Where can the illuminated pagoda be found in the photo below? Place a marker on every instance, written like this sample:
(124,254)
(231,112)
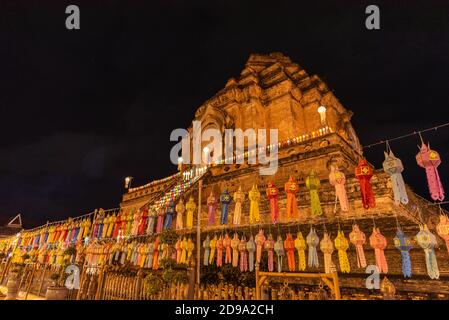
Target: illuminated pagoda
(316,229)
(315,133)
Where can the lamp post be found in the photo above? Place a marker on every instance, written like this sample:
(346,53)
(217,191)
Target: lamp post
(198,234)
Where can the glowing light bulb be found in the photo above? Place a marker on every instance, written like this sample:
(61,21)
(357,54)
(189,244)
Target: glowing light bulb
(322,111)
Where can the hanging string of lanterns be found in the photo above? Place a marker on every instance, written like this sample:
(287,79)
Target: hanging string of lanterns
(48,242)
(238,252)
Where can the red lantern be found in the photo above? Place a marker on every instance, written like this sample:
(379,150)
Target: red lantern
(289,245)
(272,195)
(291,188)
(364,172)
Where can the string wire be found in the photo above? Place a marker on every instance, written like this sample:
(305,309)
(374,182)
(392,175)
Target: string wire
(406,136)
(437,204)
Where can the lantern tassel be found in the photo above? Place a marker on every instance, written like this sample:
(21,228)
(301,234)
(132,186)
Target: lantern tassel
(399,190)
(342,197)
(338,179)
(313,257)
(313,184)
(435,186)
(381,261)
(361,260)
(280,252)
(428,242)
(312,240)
(430,160)
(406,264)
(431,264)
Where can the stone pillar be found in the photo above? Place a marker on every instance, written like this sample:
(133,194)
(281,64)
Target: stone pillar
(191,276)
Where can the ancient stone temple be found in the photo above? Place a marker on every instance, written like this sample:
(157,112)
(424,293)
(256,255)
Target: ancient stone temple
(342,229)
(315,134)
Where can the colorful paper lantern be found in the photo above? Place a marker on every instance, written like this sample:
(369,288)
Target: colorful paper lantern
(313,241)
(291,188)
(300,245)
(272,196)
(254,197)
(260,240)
(430,160)
(358,239)
(403,244)
(289,245)
(169,213)
(243,254)
(180,209)
(364,173)
(327,247)
(342,245)
(206,247)
(338,180)
(313,184)
(227,248)
(269,247)
(378,242)
(428,242)
(251,248)
(219,247)
(280,252)
(190,208)
(213,246)
(235,250)
(239,197)
(225,200)
(393,167)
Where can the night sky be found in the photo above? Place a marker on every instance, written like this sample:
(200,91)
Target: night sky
(82,109)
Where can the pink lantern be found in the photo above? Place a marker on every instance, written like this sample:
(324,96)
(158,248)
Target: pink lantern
(430,160)
(338,180)
(358,239)
(378,242)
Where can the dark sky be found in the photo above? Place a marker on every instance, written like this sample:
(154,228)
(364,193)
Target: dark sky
(83,109)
